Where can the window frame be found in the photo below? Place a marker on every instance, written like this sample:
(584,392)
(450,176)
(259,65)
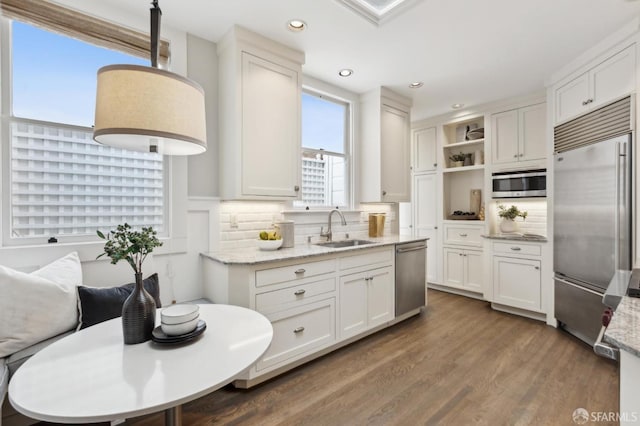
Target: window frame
(333,94)
(174,173)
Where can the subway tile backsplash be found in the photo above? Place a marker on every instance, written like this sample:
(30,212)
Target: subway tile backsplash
(241,221)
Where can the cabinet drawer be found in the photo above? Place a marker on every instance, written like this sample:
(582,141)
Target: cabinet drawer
(294,272)
(298,331)
(463,235)
(293,296)
(516,248)
(368,257)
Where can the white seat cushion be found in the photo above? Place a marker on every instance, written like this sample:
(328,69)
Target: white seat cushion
(39,305)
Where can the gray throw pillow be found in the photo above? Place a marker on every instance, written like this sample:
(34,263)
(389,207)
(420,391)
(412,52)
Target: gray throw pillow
(98,304)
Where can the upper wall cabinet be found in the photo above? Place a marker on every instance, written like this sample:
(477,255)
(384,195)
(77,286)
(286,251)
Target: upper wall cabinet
(606,81)
(260,89)
(518,135)
(385,147)
(424,150)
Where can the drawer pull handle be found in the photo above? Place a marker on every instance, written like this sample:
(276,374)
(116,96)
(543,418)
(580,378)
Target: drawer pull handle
(463,235)
(300,271)
(300,292)
(516,248)
(298,330)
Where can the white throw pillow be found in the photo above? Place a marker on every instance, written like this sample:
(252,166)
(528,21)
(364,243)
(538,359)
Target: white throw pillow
(39,305)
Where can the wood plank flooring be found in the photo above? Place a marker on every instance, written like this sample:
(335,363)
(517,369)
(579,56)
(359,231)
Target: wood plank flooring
(458,363)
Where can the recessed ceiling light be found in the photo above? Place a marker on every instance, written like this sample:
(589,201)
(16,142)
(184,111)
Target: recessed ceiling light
(296,25)
(416,84)
(457,106)
(345,72)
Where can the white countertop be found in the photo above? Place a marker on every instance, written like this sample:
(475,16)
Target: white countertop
(254,255)
(624,329)
(92,376)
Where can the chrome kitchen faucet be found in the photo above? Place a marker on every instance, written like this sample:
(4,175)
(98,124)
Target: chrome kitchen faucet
(329,234)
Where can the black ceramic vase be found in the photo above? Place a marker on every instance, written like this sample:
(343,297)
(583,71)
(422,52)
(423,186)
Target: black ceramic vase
(138,315)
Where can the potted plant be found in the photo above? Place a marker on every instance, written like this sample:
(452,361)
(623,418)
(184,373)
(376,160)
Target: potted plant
(139,310)
(458,159)
(508,216)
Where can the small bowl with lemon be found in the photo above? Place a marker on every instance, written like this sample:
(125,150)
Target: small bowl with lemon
(269,240)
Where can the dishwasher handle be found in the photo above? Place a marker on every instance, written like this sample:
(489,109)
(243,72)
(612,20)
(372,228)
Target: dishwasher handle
(401,250)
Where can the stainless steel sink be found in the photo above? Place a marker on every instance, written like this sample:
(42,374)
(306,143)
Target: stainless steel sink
(344,243)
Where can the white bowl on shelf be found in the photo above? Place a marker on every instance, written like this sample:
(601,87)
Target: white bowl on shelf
(269,244)
(180,313)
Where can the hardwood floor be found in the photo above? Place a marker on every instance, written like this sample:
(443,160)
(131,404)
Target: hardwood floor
(458,363)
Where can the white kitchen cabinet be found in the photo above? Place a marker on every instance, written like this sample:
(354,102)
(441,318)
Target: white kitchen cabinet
(425,197)
(424,150)
(314,303)
(385,155)
(463,269)
(366,300)
(260,89)
(519,135)
(517,282)
(612,78)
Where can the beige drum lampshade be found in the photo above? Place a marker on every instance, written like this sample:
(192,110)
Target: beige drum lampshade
(151,110)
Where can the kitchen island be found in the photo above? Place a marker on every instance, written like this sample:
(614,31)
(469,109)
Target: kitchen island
(624,333)
(317,298)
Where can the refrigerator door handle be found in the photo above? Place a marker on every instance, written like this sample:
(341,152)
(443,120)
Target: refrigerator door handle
(616,222)
(588,290)
(622,206)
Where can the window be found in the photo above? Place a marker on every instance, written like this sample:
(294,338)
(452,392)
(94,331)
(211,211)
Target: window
(325,154)
(62,183)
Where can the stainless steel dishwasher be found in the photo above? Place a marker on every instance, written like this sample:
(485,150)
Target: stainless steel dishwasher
(411,274)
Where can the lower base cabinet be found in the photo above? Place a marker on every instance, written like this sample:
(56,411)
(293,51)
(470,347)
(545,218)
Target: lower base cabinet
(367,300)
(517,282)
(463,269)
(299,330)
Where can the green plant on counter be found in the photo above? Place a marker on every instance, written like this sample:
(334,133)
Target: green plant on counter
(511,213)
(458,157)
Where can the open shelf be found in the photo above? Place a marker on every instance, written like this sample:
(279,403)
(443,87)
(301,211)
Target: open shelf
(464,143)
(462,169)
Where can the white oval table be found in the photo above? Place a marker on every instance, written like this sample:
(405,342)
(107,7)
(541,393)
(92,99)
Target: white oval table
(92,376)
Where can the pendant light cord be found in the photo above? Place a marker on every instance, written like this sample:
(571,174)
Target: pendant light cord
(156,14)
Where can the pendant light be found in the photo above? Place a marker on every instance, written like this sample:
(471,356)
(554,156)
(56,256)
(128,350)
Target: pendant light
(149,109)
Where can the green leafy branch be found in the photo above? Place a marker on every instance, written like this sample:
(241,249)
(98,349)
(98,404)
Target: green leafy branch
(511,213)
(132,246)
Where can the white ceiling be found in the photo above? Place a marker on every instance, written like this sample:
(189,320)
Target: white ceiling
(465,51)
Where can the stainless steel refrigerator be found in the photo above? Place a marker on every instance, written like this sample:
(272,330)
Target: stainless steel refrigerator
(592,229)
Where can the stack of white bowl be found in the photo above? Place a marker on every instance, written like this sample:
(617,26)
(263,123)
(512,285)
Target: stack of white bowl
(179,319)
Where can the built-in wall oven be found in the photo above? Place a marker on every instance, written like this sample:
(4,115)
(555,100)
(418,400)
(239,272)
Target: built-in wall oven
(520,184)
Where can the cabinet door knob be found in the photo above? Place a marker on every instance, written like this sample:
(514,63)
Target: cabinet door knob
(585,102)
(435,164)
(521,155)
(536,267)
(298,330)
(516,248)
(300,292)
(384,193)
(300,271)
(515,155)
(296,188)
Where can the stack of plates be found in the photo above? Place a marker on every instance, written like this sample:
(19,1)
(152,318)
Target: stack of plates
(179,323)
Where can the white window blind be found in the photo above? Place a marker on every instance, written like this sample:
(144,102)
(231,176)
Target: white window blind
(64,183)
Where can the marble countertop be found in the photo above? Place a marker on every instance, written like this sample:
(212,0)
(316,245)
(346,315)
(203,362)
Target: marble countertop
(624,329)
(517,237)
(253,255)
